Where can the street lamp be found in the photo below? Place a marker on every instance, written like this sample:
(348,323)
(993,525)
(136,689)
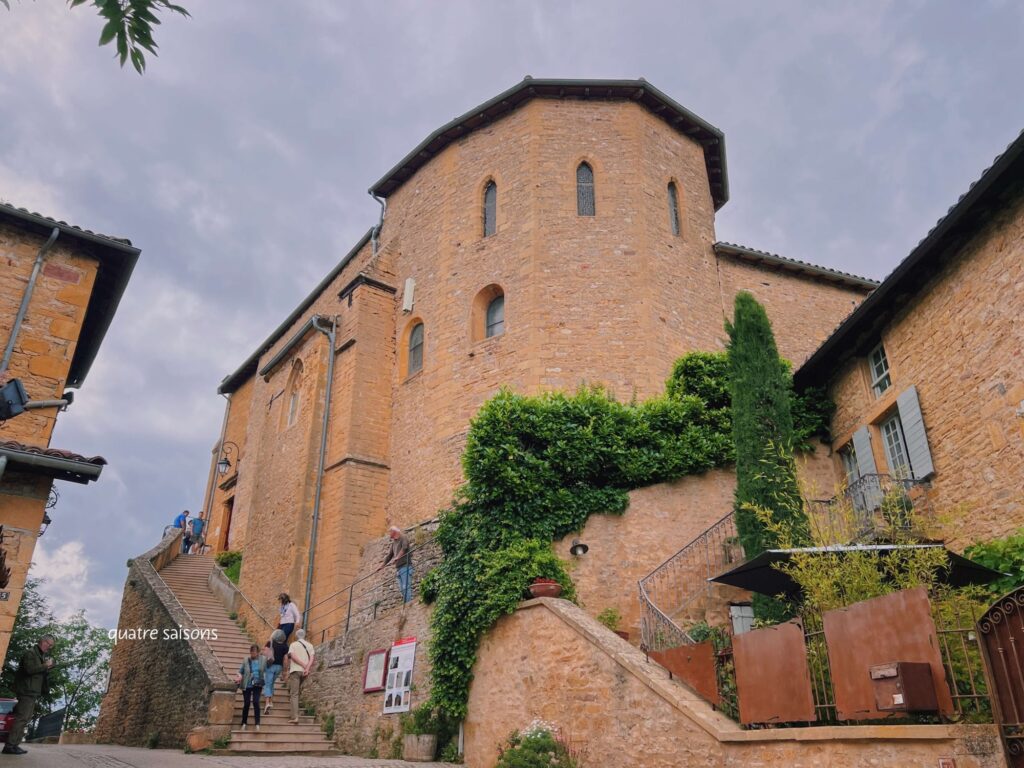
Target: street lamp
(224,464)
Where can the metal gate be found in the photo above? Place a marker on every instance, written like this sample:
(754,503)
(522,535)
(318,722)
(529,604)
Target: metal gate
(1002,634)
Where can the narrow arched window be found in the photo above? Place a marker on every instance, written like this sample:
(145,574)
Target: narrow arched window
(496,316)
(490,208)
(673,207)
(415,349)
(585,190)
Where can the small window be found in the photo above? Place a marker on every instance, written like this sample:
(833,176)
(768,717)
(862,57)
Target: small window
(742,618)
(415,349)
(294,394)
(496,317)
(848,454)
(880,380)
(490,208)
(673,208)
(896,448)
(585,190)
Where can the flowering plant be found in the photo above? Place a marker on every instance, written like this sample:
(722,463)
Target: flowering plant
(539,745)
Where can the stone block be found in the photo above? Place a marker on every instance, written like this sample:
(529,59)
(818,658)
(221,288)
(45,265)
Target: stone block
(45,365)
(63,328)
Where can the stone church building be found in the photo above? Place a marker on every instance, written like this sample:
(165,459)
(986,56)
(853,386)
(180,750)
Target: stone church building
(563,234)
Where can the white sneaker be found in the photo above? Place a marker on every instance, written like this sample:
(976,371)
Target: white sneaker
(244,726)
(257,727)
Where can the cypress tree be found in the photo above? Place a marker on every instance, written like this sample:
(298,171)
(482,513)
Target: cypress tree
(760,387)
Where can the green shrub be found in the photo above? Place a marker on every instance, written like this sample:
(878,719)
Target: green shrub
(1003,555)
(231,562)
(536,747)
(153,740)
(611,618)
(328,725)
(536,469)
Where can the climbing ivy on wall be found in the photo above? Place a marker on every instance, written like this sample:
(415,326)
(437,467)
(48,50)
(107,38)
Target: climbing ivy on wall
(536,468)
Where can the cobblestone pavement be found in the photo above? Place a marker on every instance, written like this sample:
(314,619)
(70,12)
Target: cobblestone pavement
(105,756)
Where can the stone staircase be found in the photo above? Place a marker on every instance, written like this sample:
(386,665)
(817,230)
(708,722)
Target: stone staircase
(187,576)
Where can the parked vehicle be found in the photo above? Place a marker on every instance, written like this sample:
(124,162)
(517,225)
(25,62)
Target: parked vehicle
(6,718)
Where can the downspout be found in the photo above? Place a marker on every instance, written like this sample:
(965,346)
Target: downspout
(375,237)
(331,338)
(208,512)
(23,309)
(3,466)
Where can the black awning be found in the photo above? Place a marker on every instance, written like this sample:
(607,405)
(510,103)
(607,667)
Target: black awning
(760,574)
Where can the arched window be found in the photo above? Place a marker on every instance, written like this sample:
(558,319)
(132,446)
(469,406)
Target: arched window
(487,314)
(415,349)
(496,316)
(585,190)
(673,207)
(490,208)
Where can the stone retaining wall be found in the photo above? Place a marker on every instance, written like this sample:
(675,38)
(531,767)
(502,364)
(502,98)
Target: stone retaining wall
(165,687)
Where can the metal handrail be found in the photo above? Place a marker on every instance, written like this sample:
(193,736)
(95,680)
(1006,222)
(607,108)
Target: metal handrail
(348,604)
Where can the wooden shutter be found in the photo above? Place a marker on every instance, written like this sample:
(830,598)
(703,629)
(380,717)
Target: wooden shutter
(913,430)
(867,495)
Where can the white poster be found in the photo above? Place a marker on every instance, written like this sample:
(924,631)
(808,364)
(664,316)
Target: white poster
(398,687)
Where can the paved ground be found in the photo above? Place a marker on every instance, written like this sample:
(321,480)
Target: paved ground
(103,756)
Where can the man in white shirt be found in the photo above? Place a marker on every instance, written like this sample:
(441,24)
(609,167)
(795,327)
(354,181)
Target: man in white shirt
(300,662)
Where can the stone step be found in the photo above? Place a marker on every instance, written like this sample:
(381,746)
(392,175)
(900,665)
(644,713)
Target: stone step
(324,749)
(251,736)
(283,729)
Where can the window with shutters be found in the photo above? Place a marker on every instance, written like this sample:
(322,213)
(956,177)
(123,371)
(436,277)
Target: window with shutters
(673,208)
(490,208)
(880,379)
(585,190)
(896,448)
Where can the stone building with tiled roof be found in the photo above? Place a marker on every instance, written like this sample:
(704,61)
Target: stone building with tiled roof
(59,290)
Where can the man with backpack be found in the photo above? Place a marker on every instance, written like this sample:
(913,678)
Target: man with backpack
(30,683)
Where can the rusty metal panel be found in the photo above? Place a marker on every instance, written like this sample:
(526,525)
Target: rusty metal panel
(694,665)
(773,681)
(891,628)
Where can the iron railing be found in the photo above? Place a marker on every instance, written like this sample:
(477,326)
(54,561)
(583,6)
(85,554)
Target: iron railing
(673,588)
(872,508)
(361,599)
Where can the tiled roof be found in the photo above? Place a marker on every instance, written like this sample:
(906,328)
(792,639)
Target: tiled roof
(53,453)
(25,213)
(793,265)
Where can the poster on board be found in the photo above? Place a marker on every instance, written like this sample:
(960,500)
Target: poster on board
(398,685)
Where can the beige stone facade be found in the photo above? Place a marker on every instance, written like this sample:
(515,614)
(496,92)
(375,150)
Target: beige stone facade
(69,309)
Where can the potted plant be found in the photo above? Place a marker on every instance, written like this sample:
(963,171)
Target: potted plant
(419,734)
(544,587)
(611,618)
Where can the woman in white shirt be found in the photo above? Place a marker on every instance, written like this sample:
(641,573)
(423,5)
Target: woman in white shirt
(289,615)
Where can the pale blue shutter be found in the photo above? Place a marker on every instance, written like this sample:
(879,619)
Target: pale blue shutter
(913,430)
(868,493)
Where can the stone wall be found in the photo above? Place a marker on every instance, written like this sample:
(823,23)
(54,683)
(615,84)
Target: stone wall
(551,661)
(41,359)
(959,341)
(336,687)
(162,686)
(612,299)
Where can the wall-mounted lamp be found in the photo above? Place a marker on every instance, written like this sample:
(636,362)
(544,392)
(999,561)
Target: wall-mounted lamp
(578,548)
(224,464)
(46,524)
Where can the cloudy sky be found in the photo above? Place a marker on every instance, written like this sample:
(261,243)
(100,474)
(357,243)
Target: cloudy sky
(239,164)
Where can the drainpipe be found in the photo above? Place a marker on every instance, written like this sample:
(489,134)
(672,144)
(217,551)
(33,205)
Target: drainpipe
(375,237)
(208,512)
(330,332)
(23,309)
(3,466)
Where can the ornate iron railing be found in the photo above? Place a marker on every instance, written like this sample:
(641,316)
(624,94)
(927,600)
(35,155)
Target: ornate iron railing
(671,589)
(871,509)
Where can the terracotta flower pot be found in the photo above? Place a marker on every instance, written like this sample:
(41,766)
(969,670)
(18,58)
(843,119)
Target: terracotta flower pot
(545,589)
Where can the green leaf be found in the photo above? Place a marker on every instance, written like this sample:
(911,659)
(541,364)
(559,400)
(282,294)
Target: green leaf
(110,30)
